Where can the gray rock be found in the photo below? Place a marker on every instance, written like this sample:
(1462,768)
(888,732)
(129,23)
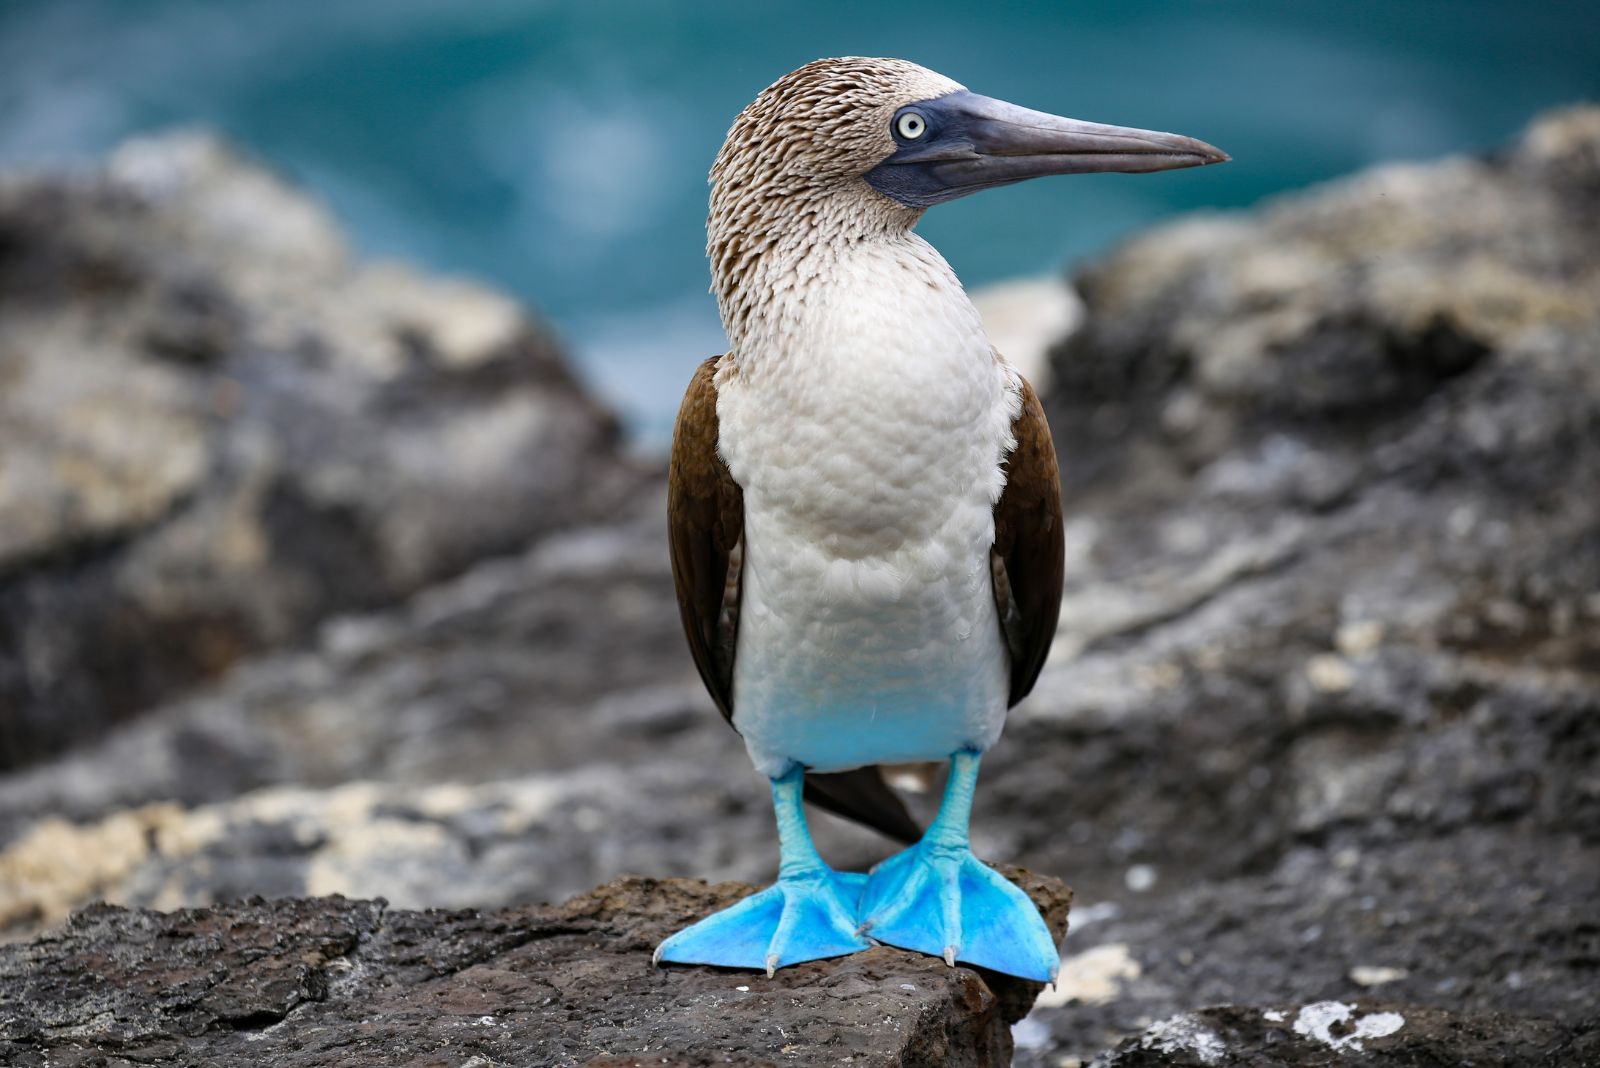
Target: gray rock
(1335,1033)
(518,665)
(1336,320)
(1327,697)
(1320,725)
(216,428)
(328,981)
(482,744)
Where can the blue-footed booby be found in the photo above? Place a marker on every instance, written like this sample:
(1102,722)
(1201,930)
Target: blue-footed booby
(864,505)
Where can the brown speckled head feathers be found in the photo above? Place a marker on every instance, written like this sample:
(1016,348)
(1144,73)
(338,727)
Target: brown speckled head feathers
(790,172)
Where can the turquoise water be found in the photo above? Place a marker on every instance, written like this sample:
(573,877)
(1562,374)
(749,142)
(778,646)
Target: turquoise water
(560,150)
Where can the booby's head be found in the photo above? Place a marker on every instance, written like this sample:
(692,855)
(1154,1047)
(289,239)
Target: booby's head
(846,148)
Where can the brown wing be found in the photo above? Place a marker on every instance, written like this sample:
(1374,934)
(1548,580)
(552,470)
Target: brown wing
(1028,546)
(705,523)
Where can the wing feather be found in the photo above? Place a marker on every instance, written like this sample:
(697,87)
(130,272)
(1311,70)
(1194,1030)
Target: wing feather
(705,524)
(1029,550)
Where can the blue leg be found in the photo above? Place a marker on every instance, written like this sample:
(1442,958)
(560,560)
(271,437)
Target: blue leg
(937,898)
(810,913)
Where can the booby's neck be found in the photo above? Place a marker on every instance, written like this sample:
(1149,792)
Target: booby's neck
(768,247)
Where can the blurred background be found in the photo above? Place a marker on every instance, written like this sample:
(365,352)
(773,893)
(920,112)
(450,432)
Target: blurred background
(560,150)
(339,344)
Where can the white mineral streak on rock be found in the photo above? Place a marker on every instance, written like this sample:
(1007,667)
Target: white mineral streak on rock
(1140,878)
(1098,912)
(1184,1034)
(1093,977)
(1360,638)
(1330,673)
(1318,1020)
(1031,1033)
(1376,975)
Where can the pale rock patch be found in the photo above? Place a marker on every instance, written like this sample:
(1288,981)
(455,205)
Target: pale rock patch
(1093,977)
(1317,1021)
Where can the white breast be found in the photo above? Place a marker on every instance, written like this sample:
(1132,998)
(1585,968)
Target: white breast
(866,417)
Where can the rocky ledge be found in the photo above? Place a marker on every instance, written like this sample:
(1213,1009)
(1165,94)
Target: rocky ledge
(1316,743)
(1327,1034)
(217,426)
(325,982)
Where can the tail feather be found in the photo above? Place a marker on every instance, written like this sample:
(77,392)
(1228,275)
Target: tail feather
(863,796)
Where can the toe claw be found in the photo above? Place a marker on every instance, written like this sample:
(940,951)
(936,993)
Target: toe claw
(957,908)
(798,919)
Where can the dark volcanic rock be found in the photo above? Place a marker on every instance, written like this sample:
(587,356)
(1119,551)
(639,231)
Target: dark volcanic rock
(1326,1034)
(217,428)
(1323,715)
(523,732)
(516,666)
(1321,723)
(1398,322)
(328,981)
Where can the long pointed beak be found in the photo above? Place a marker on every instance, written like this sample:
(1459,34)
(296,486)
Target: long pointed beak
(979,143)
(1014,143)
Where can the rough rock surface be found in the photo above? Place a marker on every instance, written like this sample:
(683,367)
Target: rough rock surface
(516,666)
(502,753)
(481,744)
(329,981)
(1321,726)
(217,427)
(1333,1033)
(1325,720)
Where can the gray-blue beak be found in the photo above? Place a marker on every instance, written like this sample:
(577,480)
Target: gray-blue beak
(958,144)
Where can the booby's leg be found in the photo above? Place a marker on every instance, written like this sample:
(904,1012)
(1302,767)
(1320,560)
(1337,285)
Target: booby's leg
(810,913)
(937,898)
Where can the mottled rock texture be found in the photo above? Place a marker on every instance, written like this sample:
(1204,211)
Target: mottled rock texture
(331,982)
(217,427)
(1327,1034)
(1321,726)
(484,744)
(1326,714)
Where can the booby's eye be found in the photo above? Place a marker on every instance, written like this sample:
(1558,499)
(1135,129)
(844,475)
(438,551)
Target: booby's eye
(910,125)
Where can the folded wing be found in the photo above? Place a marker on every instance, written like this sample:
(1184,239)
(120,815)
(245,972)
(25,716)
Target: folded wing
(1026,562)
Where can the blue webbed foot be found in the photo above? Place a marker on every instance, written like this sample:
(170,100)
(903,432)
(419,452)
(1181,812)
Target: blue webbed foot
(937,898)
(948,903)
(808,916)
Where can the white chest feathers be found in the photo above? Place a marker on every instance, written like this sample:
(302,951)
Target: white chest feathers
(866,416)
